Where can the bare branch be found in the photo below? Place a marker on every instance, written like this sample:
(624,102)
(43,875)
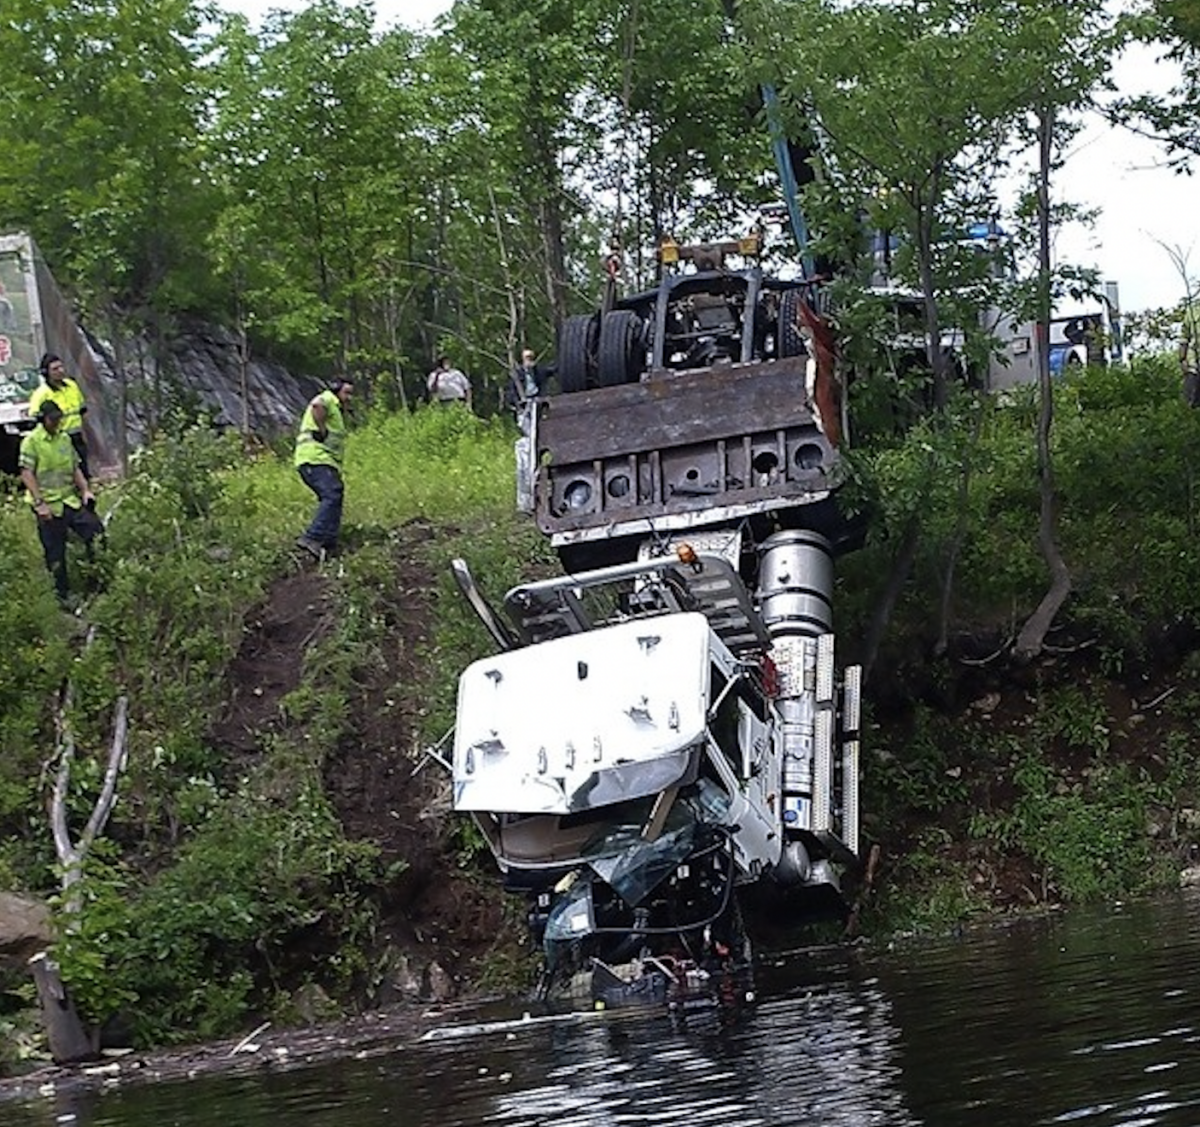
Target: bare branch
(65,754)
(981,661)
(108,792)
(71,854)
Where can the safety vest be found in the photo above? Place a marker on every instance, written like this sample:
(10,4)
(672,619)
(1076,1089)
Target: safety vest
(68,397)
(311,452)
(53,460)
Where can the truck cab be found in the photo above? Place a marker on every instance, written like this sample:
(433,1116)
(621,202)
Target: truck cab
(649,743)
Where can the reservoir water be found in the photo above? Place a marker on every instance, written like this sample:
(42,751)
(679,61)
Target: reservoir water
(1088,1017)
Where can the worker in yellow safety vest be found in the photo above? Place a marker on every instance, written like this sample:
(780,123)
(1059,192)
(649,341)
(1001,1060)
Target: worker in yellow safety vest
(57,491)
(64,391)
(320,445)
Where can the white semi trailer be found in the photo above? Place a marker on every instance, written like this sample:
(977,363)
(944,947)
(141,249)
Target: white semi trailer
(22,342)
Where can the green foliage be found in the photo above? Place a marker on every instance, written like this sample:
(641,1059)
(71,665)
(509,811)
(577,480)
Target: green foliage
(94,939)
(926,892)
(1126,472)
(203,943)
(20,1041)
(32,664)
(252,874)
(1087,834)
(918,769)
(1075,717)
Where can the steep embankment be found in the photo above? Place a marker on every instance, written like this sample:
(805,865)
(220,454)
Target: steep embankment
(438,923)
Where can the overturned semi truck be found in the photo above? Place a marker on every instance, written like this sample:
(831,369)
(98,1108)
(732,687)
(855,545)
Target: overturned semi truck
(664,727)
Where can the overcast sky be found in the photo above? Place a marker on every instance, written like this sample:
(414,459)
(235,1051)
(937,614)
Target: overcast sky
(1142,206)
(388,13)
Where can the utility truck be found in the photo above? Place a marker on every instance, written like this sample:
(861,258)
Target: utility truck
(664,728)
(22,341)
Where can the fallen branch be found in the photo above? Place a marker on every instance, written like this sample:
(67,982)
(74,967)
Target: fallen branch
(71,855)
(978,661)
(1157,700)
(245,1044)
(1087,645)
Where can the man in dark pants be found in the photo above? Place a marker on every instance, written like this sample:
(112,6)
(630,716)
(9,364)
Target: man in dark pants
(57,491)
(320,446)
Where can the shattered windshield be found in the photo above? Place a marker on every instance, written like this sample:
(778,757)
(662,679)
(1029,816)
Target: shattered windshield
(633,867)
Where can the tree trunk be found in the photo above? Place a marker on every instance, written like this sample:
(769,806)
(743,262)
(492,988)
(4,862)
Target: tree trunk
(114,329)
(1032,637)
(902,564)
(69,1040)
(511,293)
(959,537)
(939,362)
(243,355)
(549,195)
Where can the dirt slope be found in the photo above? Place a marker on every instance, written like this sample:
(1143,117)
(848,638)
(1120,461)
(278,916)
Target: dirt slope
(378,781)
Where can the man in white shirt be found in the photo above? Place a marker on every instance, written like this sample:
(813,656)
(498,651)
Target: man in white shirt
(448,385)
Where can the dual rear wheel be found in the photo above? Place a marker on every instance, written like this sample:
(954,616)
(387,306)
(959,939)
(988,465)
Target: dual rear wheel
(601,350)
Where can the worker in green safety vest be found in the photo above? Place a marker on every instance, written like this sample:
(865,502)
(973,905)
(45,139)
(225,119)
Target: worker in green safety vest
(59,387)
(57,491)
(320,445)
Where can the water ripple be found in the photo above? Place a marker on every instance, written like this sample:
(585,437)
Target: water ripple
(1087,1018)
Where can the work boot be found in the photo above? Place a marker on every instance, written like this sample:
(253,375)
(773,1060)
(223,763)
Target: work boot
(312,548)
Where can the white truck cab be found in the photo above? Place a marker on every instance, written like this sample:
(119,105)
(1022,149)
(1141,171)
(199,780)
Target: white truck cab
(654,738)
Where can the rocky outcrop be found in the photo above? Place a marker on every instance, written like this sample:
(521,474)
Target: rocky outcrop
(205,362)
(201,376)
(24,927)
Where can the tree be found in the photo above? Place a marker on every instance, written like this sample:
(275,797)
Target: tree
(916,109)
(911,105)
(1059,83)
(1173,118)
(101,116)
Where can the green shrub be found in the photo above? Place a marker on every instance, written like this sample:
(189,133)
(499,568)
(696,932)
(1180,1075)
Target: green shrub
(202,947)
(1088,835)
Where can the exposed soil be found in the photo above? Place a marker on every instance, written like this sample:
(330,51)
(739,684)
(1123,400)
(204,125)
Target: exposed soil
(437,917)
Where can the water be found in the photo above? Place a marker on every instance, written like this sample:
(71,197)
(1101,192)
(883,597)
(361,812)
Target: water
(1089,1018)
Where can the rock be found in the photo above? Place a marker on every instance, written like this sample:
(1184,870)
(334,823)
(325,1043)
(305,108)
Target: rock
(441,985)
(24,927)
(201,371)
(313,1005)
(400,981)
(987,703)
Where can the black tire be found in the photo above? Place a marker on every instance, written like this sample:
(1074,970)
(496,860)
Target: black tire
(622,354)
(789,340)
(577,353)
